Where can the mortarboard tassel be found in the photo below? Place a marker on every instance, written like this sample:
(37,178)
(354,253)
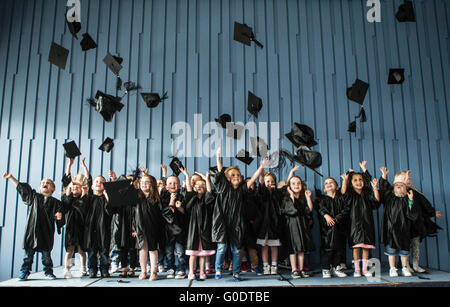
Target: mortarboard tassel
(119,84)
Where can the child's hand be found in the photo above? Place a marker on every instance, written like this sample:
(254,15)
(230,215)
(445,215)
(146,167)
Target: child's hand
(410,194)
(295,168)
(207,175)
(363,165)
(58,216)
(330,220)
(84,190)
(439,214)
(7,175)
(83,163)
(291,193)
(308,194)
(184,171)
(173,197)
(344,176)
(112,175)
(374,183)
(384,172)
(144,170)
(351,170)
(178,204)
(134,234)
(265,162)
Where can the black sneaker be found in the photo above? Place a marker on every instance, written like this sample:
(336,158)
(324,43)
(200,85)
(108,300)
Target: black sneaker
(105,274)
(93,274)
(296,275)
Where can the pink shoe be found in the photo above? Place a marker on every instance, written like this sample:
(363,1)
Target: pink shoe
(208,271)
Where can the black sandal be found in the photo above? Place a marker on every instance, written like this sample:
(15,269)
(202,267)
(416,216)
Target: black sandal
(303,274)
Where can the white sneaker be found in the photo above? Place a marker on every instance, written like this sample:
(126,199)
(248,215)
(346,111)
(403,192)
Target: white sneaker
(114,268)
(393,272)
(326,274)
(338,273)
(273,270)
(357,274)
(67,273)
(266,270)
(406,272)
(83,271)
(161,268)
(170,273)
(180,275)
(342,266)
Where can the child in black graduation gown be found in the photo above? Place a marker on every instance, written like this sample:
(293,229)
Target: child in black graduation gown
(297,209)
(199,206)
(40,230)
(228,217)
(361,201)
(97,234)
(332,214)
(252,221)
(398,216)
(148,225)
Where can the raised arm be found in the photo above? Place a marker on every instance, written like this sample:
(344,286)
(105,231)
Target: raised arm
(69,166)
(219,160)
(187,179)
(363,166)
(376,193)
(11,177)
(83,165)
(255,176)
(164,170)
(344,183)
(207,179)
(309,200)
(112,175)
(292,172)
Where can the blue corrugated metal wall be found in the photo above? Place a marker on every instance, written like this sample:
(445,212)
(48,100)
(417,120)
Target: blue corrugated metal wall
(313,50)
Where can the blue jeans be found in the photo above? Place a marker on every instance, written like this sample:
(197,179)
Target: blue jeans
(220,257)
(93,261)
(178,249)
(28,261)
(395,252)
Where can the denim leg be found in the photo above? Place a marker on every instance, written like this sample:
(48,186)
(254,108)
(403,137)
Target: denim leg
(169,256)
(104,259)
(28,260)
(92,259)
(47,262)
(236,259)
(220,256)
(179,252)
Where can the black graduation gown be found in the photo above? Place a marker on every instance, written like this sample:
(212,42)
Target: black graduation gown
(98,223)
(269,209)
(297,231)
(252,219)
(362,228)
(199,212)
(332,237)
(75,210)
(40,229)
(121,224)
(228,215)
(397,218)
(149,223)
(423,226)
(177,229)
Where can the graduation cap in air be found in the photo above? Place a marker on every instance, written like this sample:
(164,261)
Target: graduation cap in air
(176,166)
(87,43)
(254,104)
(358,91)
(301,135)
(130,86)
(223,120)
(153,99)
(259,147)
(71,150)
(58,55)
(405,12)
(352,127)
(396,76)
(113,63)
(244,34)
(106,105)
(303,155)
(74,27)
(107,145)
(244,156)
(121,193)
(235,131)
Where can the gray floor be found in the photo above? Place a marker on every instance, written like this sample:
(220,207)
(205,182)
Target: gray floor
(250,280)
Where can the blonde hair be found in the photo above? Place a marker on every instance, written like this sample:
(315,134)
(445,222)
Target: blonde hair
(51,182)
(80,179)
(403,173)
(231,168)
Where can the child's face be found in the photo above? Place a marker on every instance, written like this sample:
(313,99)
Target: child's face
(270,183)
(329,186)
(47,187)
(97,185)
(76,189)
(145,184)
(296,185)
(160,183)
(234,176)
(172,184)
(200,187)
(358,182)
(194,178)
(400,189)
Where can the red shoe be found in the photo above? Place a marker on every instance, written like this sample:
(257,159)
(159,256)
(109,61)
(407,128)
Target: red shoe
(306,269)
(244,266)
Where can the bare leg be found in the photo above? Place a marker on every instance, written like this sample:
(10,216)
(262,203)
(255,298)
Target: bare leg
(82,257)
(265,254)
(391,261)
(68,259)
(365,253)
(404,261)
(293,261)
(143,256)
(153,264)
(192,265)
(301,260)
(201,263)
(274,252)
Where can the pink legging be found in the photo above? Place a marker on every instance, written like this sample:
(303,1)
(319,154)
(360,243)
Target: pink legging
(143,256)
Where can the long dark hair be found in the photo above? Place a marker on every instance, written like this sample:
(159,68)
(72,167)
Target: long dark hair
(154,194)
(302,192)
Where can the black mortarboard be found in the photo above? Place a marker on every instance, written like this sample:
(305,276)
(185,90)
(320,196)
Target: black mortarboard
(301,135)
(58,55)
(121,193)
(254,104)
(244,34)
(352,127)
(71,149)
(308,158)
(106,105)
(235,131)
(223,120)
(130,86)
(153,99)
(259,147)
(176,165)
(107,145)
(396,76)
(358,91)
(74,27)
(405,12)
(244,156)
(113,63)
(87,43)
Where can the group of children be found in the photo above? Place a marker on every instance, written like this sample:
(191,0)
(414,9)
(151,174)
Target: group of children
(200,219)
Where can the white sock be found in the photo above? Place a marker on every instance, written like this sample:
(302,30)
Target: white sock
(266,263)
(274,263)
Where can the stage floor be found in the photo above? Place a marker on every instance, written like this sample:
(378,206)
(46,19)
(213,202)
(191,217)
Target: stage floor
(283,279)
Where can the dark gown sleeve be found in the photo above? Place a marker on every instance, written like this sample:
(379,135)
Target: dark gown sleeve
(321,208)
(66,180)
(413,213)
(367,178)
(288,207)
(26,193)
(220,182)
(385,190)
